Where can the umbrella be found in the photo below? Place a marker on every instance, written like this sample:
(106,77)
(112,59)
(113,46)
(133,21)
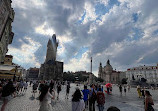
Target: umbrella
(108,85)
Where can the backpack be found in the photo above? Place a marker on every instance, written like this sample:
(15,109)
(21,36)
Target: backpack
(94,96)
(100,98)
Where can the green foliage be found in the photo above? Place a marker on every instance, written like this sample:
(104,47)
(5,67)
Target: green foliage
(100,80)
(71,77)
(124,81)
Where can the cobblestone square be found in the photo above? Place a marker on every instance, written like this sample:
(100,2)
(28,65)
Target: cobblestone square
(130,101)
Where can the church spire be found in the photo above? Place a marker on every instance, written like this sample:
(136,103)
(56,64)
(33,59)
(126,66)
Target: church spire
(51,49)
(100,64)
(108,62)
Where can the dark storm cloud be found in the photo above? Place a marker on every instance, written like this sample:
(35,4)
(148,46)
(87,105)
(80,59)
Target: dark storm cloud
(60,14)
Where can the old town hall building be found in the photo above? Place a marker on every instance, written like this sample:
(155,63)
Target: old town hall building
(51,69)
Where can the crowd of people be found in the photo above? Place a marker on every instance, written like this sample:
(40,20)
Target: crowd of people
(82,99)
(10,89)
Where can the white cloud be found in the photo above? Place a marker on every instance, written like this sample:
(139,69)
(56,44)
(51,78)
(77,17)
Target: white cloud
(90,12)
(25,54)
(78,64)
(23,4)
(44,29)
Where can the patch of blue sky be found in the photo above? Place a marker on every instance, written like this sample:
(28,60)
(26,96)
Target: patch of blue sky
(138,33)
(80,52)
(82,18)
(113,2)
(135,17)
(101,9)
(155,32)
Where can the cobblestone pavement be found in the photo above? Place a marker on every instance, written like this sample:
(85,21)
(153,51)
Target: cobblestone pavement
(128,102)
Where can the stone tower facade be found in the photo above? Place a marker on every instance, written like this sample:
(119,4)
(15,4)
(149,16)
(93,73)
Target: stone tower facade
(6,35)
(51,69)
(51,49)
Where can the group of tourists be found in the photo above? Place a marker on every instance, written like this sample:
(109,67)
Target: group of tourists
(47,93)
(10,89)
(90,97)
(82,99)
(124,88)
(141,92)
(148,101)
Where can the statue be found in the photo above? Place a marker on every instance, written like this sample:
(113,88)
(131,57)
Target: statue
(108,62)
(133,77)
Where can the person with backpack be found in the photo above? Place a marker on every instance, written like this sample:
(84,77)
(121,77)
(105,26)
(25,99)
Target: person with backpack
(92,98)
(85,96)
(34,88)
(100,99)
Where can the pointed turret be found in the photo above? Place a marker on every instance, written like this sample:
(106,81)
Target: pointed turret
(51,50)
(108,62)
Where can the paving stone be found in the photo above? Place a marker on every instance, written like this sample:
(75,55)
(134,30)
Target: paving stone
(128,102)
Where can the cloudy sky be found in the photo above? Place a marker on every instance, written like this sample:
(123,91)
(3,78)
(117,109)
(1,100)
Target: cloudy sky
(124,31)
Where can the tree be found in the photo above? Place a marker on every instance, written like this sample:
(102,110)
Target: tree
(143,80)
(100,80)
(124,81)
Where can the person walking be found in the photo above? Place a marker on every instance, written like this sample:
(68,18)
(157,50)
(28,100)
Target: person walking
(45,98)
(58,89)
(100,99)
(34,87)
(148,101)
(139,91)
(77,102)
(8,89)
(125,90)
(143,92)
(21,85)
(41,86)
(51,86)
(120,88)
(25,86)
(85,96)
(128,88)
(30,83)
(108,90)
(67,90)
(92,98)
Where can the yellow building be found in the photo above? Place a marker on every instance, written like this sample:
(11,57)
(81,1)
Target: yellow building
(9,69)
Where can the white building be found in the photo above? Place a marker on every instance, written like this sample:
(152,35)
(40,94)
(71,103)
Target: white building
(148,72)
